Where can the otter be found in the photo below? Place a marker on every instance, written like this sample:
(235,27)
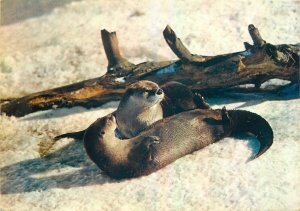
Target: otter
(168,139)
(139,107)
(144,103)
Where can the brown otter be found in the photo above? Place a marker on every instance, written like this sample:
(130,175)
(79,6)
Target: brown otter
(168,139)
(144,103)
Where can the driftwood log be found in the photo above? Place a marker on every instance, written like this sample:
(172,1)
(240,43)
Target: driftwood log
(258,63)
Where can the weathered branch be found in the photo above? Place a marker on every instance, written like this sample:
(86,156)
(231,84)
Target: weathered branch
(178,48)
(255,35)
(260,62)
(247,46)
(111,47)
(6,100)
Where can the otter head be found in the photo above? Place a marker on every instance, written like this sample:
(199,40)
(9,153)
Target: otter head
(139,108)
(107,125)
(143,94)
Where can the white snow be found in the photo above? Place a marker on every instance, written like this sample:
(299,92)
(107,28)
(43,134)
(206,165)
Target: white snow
(121,79)
(64,46)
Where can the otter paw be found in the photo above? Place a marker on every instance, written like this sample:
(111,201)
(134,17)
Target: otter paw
(226,119)
(199,95)
(200,102)
(147,147)
(225,115)
(143,151)
(151,140)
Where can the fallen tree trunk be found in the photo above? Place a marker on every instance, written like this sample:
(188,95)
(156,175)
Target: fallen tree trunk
(258,63)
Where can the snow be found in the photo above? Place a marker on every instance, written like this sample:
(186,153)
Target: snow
(64,46)
(121,79)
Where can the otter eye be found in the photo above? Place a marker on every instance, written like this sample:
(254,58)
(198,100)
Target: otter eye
(151,92)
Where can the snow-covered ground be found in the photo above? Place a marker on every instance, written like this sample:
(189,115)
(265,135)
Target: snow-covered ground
(64,45)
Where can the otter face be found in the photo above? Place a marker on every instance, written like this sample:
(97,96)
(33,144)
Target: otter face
(144,94)
(107,123)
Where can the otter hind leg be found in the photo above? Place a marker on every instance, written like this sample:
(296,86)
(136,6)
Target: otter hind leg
(225,115)
(226,121)
(183,98)
(200,102)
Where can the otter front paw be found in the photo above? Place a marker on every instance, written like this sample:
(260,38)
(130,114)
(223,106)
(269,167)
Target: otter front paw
(144,150)
(151,140)
(148,145)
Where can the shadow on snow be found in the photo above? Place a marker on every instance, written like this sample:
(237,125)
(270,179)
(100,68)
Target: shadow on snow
(24,176)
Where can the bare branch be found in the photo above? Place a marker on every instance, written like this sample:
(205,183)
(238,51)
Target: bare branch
(255,35)
(111,47)
(247,46)
(178,48)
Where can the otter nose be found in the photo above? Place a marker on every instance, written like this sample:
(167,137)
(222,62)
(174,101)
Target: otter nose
(159,91)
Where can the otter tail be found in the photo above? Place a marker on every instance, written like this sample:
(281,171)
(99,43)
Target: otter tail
(245,121)
(75,135)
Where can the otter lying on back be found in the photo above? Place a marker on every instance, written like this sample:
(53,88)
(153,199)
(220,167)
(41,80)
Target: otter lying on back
(168,139)
(144,103)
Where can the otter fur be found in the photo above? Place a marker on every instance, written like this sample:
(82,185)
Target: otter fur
(144,103)
(168,139)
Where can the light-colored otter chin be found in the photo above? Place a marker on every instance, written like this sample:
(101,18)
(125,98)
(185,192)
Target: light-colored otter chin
(111,123)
